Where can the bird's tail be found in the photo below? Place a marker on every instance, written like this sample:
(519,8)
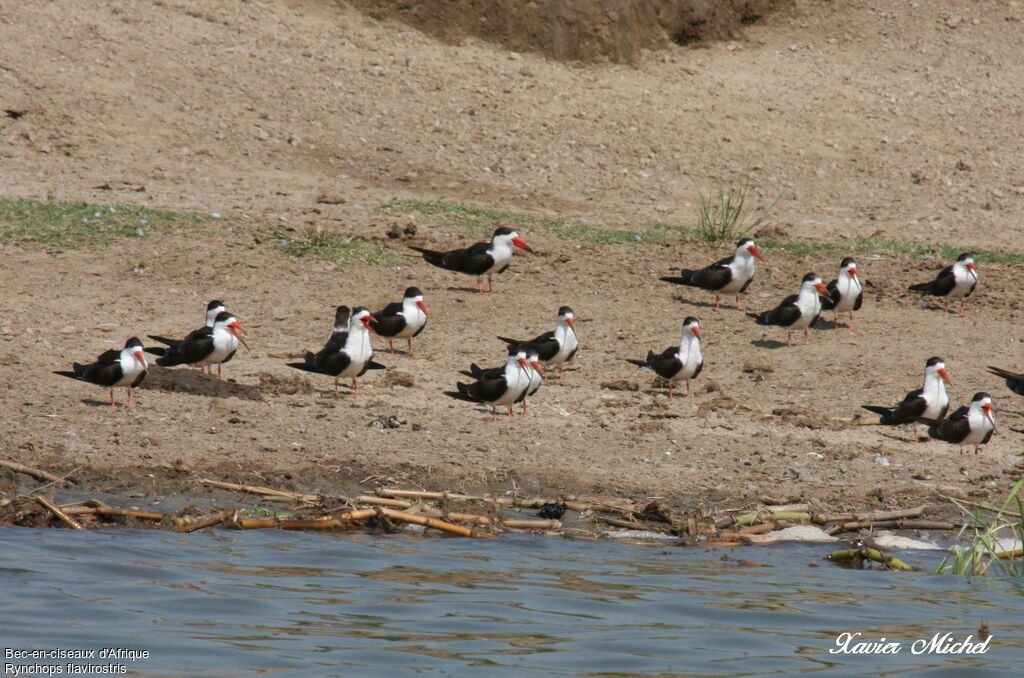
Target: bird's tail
(763,318)
(886,414)
(509,341)
(169,357)
(685,277)
(643,364)
(431,256)
(923,288)
(462,393)
(163,340)
(305,367)
(155,350)
(76,372)
(1014,380)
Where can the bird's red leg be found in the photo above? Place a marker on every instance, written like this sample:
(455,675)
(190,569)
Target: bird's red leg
(688,388)
(490,284)
(391,347)
(738,307)
(480,286)
(409,348)
(807,336)
(335,387)
(355,386)
(850,325)
(718,306)
(961,307)
(670,396)
(561,373)
(789,337)
(129,397)
(510,413)
(524,409)
(835,322)
(494,412)
(945,305)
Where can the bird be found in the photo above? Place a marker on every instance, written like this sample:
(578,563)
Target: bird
(126,367)
(797,311)
(206,346)
(731,275)
(678,363)
(481,259)
(845,293)
(926,405)
(556,348)
(953,282)
(213,308)
(533,368)
(347,353)
(1014,380)
(971,424)
(401,320)
(504,389)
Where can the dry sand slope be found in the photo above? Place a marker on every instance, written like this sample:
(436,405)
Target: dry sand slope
(862,119)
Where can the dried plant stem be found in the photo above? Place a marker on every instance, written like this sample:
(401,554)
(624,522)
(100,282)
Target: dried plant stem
(57,511)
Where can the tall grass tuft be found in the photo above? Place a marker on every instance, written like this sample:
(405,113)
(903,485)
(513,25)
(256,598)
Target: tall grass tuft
(980,548)
(726,216)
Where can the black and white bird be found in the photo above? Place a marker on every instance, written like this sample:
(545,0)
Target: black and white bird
(114,368)
(926,405)
(533,368)
(481,259)
(797,311)
(402,319)
(971,424)
(347,353)
(845,293)
(206,346)
(678,363)
(1014,380)
(503,389)
(731,275)
(556,348)
(213,309)
(953,283)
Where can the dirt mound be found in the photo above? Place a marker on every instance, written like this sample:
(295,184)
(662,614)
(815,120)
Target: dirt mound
(576,30)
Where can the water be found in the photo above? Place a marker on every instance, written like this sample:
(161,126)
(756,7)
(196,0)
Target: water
(297,604)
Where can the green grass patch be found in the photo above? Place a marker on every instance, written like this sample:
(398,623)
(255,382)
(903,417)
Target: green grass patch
(335,247)
(981,551)
(842,247)
(73,225)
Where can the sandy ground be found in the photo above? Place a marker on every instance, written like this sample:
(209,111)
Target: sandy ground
(862,118)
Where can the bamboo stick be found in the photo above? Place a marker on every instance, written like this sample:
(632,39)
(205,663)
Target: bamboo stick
(253,489)
(1010,555)
(857,555)
(383,501)
(422,494)
(869,516)
(269,523)
(38,474)
(208,522)
(417,519)
(56,510)
(525,524)
(752,518)
(904,524)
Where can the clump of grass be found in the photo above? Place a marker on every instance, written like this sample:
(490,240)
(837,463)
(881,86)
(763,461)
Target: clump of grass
(726,216)
(981,548)
(335,247)
(73,225)
(482,221)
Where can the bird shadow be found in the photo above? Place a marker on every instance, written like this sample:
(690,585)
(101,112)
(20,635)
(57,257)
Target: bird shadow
(769,343)
(466,289)
(89,402)
(700,304)
(194,382)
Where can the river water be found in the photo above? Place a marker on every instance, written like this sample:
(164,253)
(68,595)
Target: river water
(231,603)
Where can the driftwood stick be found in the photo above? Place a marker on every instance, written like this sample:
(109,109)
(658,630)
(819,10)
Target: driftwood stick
(993,509)
(759,529)
(110,511)
(421,494)
(383,501)
(38,474)
(253,489)
(627,524)
(457,517)
(903,524)
(56,510)
(435,523)
(869,516)
(208,522)
(751,518)
(526,524)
